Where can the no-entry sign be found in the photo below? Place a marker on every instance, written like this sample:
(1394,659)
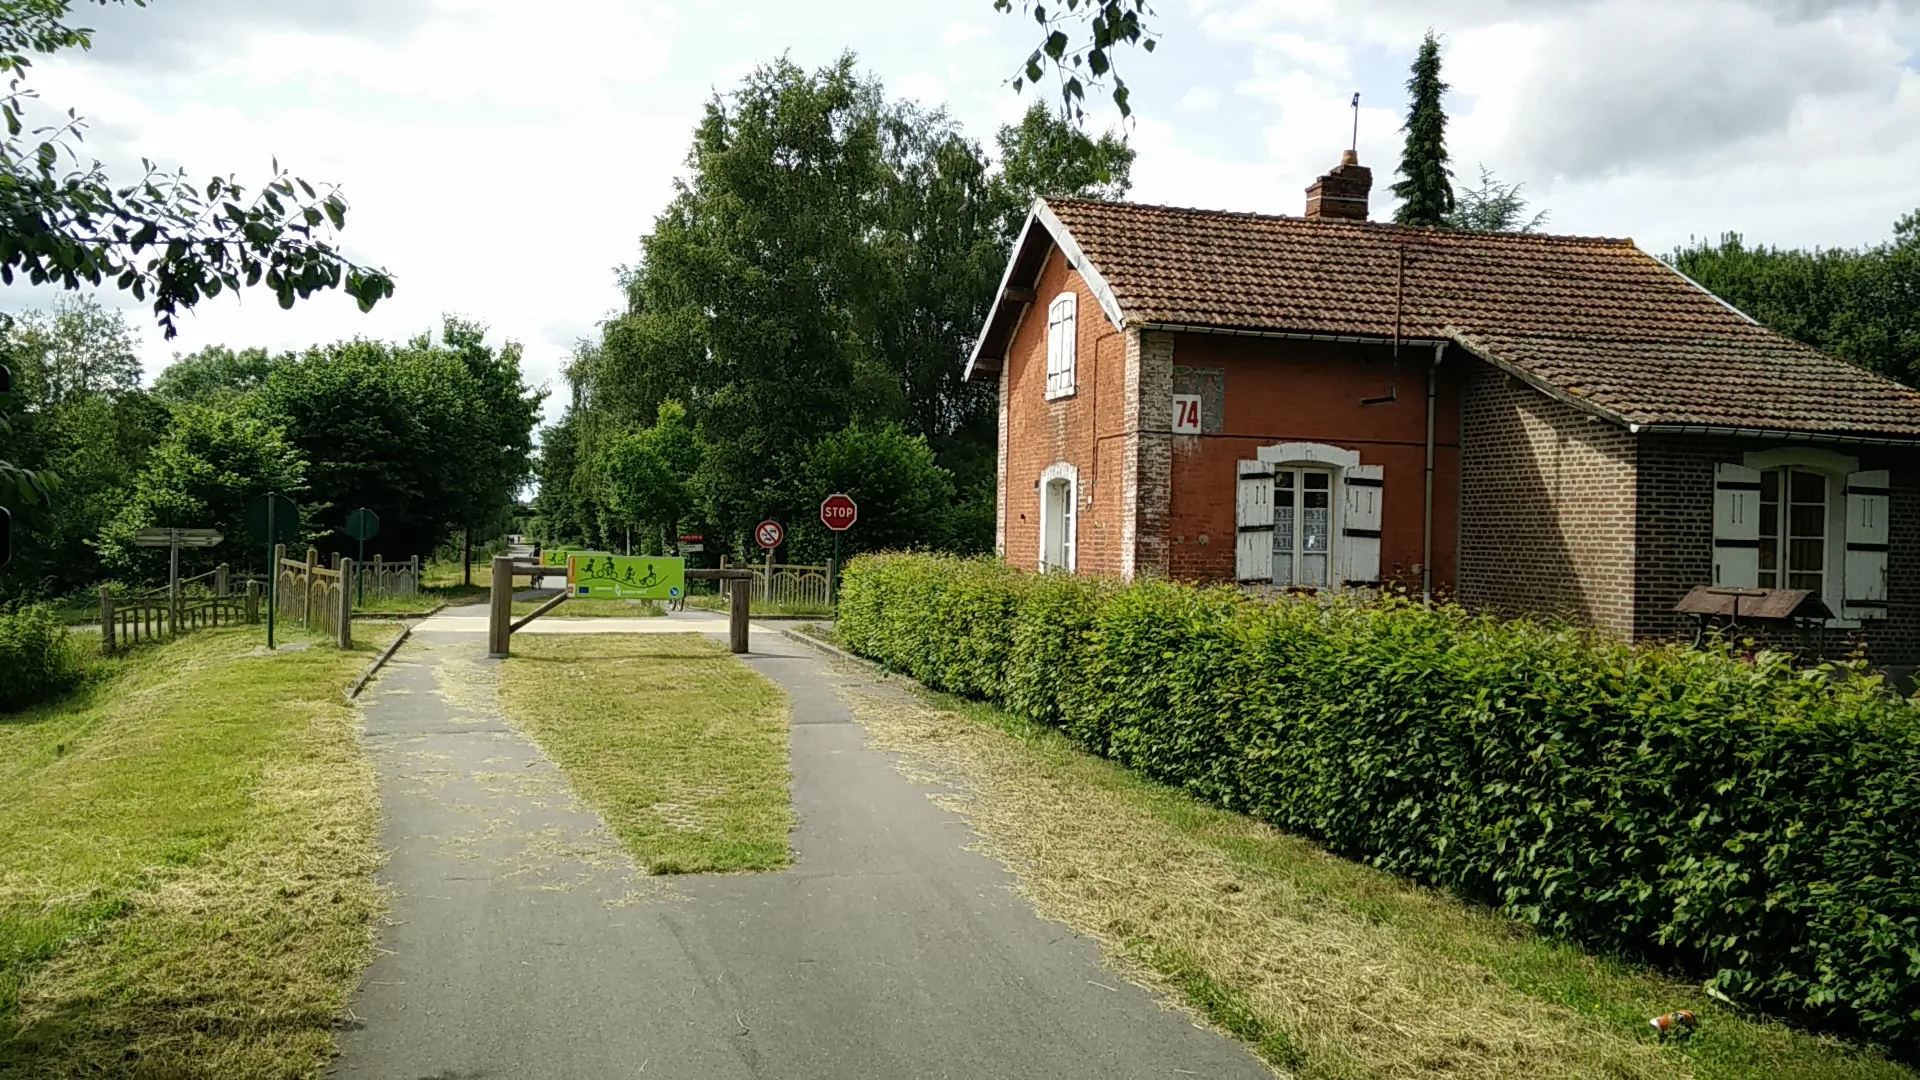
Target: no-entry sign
(769,534)
(838,512)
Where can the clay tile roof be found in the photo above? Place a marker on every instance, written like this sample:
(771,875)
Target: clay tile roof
(1595,320)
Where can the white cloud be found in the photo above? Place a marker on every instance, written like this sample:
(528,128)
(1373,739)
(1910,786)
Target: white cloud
(961,33)
(1201,98)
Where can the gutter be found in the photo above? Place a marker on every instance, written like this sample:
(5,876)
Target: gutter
(1767,433)
(1284,335)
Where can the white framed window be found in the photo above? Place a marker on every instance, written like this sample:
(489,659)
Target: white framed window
(1059,517)
(1804,519)
(1062,342)
(1308,517)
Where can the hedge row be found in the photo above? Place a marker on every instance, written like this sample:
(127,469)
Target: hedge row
(1723,815)
(37,657)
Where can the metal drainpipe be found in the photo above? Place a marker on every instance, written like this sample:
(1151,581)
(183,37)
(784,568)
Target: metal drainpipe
(1426,527)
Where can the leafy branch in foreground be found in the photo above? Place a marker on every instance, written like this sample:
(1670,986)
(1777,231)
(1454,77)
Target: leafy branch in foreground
(1108,25)
(164,237)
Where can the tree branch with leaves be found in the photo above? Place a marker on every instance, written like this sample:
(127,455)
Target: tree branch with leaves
(64,222)
(1081,45)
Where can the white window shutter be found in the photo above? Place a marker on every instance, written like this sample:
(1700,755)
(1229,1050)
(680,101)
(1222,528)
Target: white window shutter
(1868,503)
(1361,489)
(1736,526)
(1253,519)
(1069,343)
(1071,536)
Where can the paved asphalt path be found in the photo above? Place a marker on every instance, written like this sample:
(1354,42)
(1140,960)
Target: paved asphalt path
(522,943)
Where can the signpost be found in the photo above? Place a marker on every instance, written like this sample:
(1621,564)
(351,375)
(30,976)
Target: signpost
(272,519)
(768,534)
(627,577)
(691,543)
(173,540)
(363,525)
(837,512)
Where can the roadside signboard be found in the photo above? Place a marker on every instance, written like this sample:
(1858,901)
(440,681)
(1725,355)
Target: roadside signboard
(627,577)
(559,556)
(285,519)
(838,512)
(363,524)
(692,542)
(192,538)
(769,534)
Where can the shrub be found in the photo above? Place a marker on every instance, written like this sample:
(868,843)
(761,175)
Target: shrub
(37,657)
(1736,817)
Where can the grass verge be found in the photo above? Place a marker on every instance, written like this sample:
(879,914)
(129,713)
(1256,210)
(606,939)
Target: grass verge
(1326,967)
(186,856)
(755,606)
(679,746)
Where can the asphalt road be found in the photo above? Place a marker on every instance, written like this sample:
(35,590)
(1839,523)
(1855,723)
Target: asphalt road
(523,944)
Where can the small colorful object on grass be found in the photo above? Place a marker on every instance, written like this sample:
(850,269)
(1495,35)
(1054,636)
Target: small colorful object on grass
(1672,1023)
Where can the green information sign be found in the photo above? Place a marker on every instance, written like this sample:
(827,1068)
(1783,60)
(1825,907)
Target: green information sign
(559,556)
(627,577)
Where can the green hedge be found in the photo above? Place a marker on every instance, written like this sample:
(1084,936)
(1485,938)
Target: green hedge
(1720,814)
(37,657)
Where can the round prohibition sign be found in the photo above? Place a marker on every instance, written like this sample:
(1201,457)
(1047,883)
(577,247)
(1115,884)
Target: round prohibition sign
(769,534)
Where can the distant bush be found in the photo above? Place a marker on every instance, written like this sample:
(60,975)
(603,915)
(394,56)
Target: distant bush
(1732,816)
(37,657)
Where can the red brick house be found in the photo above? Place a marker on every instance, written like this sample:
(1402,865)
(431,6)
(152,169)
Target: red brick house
(1561,425)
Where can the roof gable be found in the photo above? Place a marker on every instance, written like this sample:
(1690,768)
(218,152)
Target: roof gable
(1594,320)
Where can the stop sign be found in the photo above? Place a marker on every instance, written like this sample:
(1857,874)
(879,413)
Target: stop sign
(837,512)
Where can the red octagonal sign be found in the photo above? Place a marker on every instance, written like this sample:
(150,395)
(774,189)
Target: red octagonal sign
(837,512)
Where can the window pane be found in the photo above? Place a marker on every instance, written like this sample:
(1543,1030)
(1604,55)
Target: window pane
(1809,487)
(1769,579)
(1283,569)
(1282,529)
(1806,556)
(1807,521)
(1809,582)
(1313,571)
(1314,526)
(1769,552)
(1769,520)
(1317,481)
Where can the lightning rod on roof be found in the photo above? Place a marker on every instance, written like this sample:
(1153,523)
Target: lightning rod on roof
(1356,122)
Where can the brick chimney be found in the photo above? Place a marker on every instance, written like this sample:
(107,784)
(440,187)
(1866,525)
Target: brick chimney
(1341,195)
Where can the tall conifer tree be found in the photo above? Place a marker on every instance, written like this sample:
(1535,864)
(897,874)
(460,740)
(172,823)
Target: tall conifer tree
(1426,190)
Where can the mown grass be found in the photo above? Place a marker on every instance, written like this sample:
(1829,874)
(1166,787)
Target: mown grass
(186,851)
(679,746)
(593,607)
(1327,968)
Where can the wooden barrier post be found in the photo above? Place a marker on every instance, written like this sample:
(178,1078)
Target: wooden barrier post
(344,626)
(413,563)
(500,608)
(306,593)
(220,586)
(253,602)
(106,619)
(742,592)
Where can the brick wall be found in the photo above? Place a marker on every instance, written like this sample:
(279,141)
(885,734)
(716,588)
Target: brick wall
(1148,455)
(1547,505)
(1279,391)
(1083,430)
(1675,537)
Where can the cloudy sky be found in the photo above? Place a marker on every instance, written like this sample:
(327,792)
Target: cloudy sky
(503,158)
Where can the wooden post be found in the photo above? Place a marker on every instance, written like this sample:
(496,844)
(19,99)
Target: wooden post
(253,602)
(500,608)
(106,619)
(220,580)
(344,628)
(306,593)
(466,557)
(413,562)
(741,591)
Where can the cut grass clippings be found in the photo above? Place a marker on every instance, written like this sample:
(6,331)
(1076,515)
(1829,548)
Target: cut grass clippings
(186,857)
(679,746)
(1328,968)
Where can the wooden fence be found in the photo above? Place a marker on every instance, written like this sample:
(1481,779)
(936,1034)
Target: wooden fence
(791,584)
(382,578)
(315,596)
(202,600)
